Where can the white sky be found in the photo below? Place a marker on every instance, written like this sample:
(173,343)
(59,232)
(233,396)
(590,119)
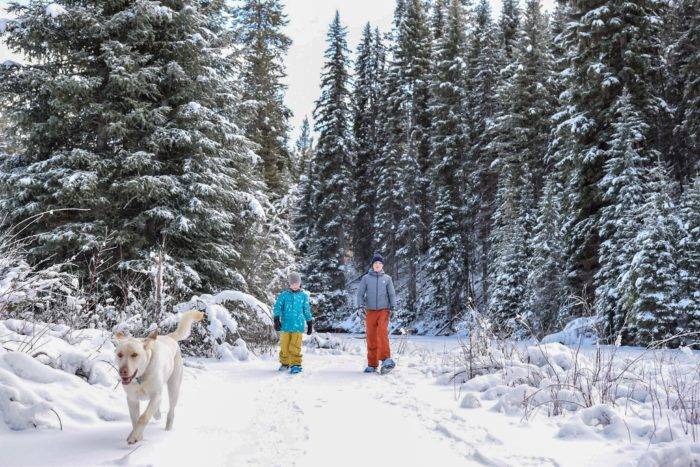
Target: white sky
(308,24)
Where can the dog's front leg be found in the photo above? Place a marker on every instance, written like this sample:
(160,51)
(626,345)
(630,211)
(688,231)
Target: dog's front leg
(137,433)
(134,410)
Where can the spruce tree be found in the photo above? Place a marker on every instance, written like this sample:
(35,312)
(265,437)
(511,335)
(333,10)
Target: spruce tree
(126,119)
(446,270)
(305,194)
(333,178)
(519,133)
(407,131)
(546,309)
(402,195)
(302,150)
(484,61)
(509,24)
(623,189)
(683,83)
(653,277)
(388,209)
(509,254)
(613,45)
(689,264)
(264,46)
(437,19)
(369,70)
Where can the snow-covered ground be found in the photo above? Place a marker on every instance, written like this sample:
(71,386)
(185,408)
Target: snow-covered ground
(246,413)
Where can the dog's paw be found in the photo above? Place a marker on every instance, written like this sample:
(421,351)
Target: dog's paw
(134,437)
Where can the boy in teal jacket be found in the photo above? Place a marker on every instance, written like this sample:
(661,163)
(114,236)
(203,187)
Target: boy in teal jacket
(291,310)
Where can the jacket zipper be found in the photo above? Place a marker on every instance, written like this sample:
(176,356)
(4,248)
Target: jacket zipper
(376,292)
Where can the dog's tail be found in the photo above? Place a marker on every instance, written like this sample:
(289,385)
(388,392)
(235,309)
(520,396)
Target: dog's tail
(185,325)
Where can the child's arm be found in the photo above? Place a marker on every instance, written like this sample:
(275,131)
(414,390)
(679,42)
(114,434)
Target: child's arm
(277,312)
(277,309)
(361,289)
(391,293)
(307,309)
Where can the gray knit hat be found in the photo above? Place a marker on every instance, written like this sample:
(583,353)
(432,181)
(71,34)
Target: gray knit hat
(294,278)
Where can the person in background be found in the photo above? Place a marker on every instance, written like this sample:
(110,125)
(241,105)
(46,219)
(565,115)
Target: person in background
(376,295)
(290,312)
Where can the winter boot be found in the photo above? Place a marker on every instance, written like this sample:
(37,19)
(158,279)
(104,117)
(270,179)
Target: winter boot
(294,369)
(283,368)
(387,366)
(371,369)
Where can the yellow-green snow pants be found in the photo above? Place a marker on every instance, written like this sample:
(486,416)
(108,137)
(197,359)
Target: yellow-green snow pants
(290,348)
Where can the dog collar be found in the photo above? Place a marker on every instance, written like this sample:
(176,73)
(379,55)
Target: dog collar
(139,379)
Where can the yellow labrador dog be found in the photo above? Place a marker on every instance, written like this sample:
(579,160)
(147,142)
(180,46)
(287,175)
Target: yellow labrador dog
(145,366)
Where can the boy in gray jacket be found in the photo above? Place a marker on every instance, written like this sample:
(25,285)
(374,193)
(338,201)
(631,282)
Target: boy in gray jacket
(377,296)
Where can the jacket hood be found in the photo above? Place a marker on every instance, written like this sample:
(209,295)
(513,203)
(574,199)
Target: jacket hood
(375,273)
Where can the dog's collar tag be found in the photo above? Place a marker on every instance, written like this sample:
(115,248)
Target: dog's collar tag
(139,379)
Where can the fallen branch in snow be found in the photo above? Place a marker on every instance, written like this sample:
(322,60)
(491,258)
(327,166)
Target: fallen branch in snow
(60,422)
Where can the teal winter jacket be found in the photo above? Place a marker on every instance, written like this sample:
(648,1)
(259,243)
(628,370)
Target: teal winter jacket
(294,310)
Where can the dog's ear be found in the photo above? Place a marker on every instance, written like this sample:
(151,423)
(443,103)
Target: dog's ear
(151,339)
(118,337)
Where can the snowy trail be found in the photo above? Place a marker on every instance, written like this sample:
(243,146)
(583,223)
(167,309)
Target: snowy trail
(332,414)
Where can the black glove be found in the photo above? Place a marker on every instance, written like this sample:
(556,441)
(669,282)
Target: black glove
(310,327)
(278,323)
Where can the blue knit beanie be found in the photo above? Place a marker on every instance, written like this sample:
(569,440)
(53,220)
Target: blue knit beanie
(377,257)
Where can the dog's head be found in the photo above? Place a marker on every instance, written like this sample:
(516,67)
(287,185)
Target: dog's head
(132,355)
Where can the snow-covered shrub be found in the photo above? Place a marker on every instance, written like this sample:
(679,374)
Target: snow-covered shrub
(233,321)
(598,393)
(323,341)
(582,331)
(33,292)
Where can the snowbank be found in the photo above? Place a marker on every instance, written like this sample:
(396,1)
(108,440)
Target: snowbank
(632,397)
(52,377)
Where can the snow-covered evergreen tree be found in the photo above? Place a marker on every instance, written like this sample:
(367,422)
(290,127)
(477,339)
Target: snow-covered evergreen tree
(388,209)
(613,45)
(546,309)
(683,82)
(653,278)
(402,188)
(623,188)
(508,24)
(437,19)
(407,132)
(264,45)
(304,209)
(689,263)
(484,61)
(333,178)
(519,134)
(136,137)
(446,271)
(302,151)
(367,98)
(509,250)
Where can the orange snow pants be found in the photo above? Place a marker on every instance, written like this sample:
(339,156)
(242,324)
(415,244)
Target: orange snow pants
(377,327)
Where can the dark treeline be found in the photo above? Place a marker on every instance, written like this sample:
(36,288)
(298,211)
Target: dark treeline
(539,167)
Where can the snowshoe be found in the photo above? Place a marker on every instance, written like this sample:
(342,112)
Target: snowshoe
(371,369)
(283,368)
(294,369)
(387,366)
